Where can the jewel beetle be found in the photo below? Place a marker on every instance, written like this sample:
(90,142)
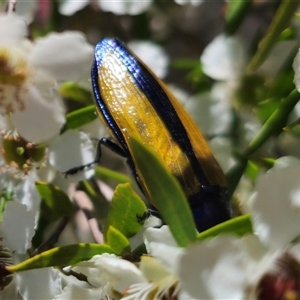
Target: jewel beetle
(131,100)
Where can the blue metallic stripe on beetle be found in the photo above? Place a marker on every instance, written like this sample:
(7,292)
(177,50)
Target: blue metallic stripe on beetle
(116,71)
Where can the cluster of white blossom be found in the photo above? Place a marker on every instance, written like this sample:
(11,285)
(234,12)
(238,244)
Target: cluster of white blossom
(261,265)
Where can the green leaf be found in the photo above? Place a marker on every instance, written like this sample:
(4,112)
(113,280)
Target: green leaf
(235,14)
(117,241)
(269,162)
(252,171)
(55,199)
(104,173)
(80,117)
(73,91)
(288,34)
(279,23)
(125,210)
(165,193)
(61,256)
(239,226)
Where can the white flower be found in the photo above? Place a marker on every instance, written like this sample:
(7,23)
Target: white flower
(39,283)
(34,284)
(260,266)
(224,61)
(276,204)
(20,204)
(27,9)
(69,7)
(30,73)
(29,76)
(224,58)
(265,266)
(31,113)
(222,148)
(160,282)
(296,67)
(213,270)
(18,226)
(108,276)
(123,7)
(159,270)
(193,2)
(82,292)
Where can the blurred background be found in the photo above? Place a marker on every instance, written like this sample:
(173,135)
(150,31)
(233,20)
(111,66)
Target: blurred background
(182,28)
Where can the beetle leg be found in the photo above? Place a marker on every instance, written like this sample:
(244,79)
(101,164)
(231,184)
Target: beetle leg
(74,170)
(150,212)
(105,142)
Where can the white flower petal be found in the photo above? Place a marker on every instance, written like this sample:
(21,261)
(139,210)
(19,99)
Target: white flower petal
(110,269)
(199,108)
(296,67)
(167,255)
(276,211)
(10,292)
(223,58)
(212,112)
(72,149)
(95,129)
(159,235)
(152,269)
(160,281)
(221,148)
(64,55)
(214,270)
(123,7)
(27,9)
(152,55)
(18,226)
(39,283)
(70,7)
(221,107)
(12,29)
(81,293)
(25,192)
(160,244)
(254,249)
(193,2)
(46,173)
(42,119)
